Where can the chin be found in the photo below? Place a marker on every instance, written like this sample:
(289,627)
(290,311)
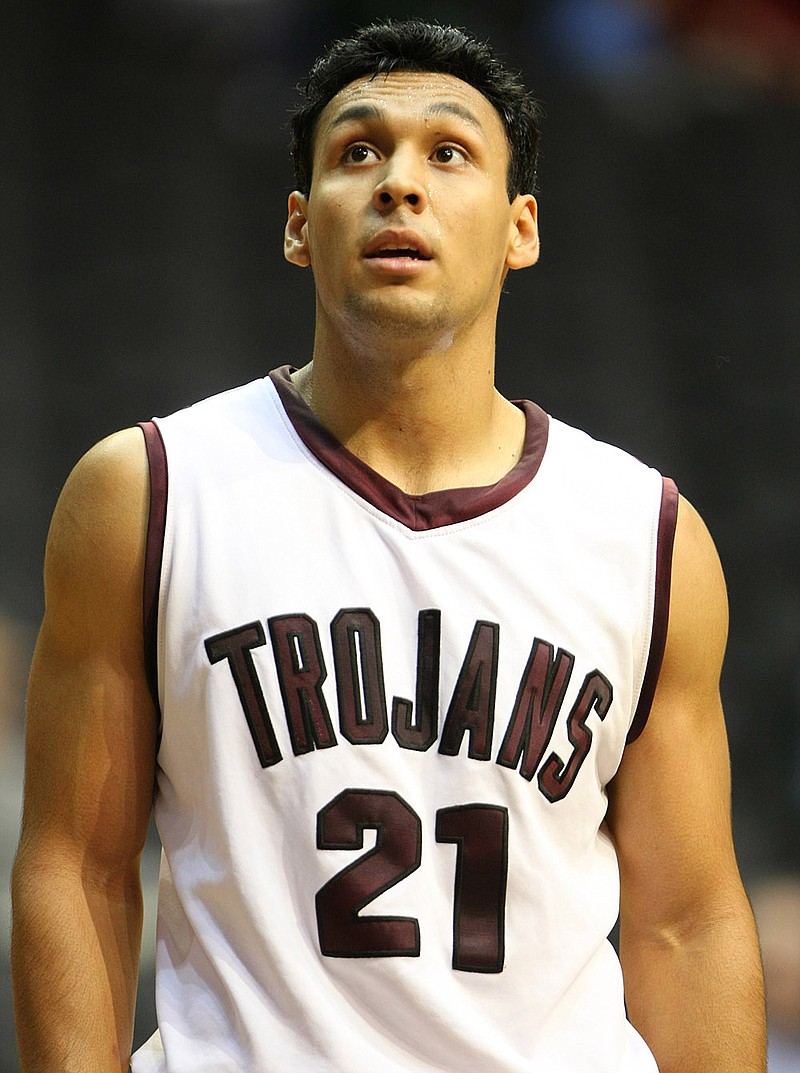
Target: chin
(407,316)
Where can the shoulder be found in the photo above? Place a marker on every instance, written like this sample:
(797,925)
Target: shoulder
(106,486)
(202,445)
(95,547)
(698,608)
(686,708)
(243,405)
(695,554)
(574,454)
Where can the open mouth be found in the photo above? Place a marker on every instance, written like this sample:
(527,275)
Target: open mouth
(399,244)
(392,252)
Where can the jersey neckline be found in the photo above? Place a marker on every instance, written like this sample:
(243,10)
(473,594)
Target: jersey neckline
(431,510)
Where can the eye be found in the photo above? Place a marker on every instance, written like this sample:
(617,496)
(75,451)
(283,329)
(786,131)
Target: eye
(448,154)
(357,154)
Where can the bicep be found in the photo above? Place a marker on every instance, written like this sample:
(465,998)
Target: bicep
(670,801)
(90,723)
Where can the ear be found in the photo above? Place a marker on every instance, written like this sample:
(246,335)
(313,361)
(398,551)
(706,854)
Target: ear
(295,236)
(523,249)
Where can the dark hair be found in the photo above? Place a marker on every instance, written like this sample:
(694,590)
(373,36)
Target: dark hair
(414,45)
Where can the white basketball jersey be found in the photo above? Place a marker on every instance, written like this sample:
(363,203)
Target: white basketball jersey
(388,724)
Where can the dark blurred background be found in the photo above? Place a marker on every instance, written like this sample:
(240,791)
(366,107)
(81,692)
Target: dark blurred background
(144,175)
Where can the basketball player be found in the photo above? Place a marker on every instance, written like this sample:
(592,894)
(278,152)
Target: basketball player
(426,681)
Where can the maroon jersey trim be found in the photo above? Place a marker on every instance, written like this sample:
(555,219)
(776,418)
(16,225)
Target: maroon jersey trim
(658,638)
(154,551)
(417,512)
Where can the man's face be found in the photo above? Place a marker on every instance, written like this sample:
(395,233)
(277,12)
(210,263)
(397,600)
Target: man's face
(407,225)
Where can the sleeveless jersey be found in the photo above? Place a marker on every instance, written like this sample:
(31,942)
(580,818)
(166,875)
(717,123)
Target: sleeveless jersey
(387,727)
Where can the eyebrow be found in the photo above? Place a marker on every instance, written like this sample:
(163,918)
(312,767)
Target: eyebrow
(355,112)
(457,110)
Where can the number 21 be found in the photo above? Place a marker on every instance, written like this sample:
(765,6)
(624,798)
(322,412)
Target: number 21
(480,833)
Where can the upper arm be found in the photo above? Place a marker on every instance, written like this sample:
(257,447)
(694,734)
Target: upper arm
(670,800)
(90,721)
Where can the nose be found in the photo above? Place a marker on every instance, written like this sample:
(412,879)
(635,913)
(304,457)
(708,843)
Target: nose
(402,183)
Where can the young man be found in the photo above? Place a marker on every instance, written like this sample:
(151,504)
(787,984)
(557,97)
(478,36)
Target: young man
(423,676)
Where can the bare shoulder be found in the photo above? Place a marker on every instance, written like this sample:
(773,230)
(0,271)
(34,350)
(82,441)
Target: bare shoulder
(108,485)
(96,542)
(698,612)
(696,570)
(686,710)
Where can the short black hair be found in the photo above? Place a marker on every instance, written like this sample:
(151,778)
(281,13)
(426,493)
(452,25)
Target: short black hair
(415,45)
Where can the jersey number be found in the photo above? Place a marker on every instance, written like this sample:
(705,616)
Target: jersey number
(480,833)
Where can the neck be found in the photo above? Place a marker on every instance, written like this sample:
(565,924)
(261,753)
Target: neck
(426,419)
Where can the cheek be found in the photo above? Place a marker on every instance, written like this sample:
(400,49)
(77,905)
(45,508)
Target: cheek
(483,216)
(483,238)
(328,229)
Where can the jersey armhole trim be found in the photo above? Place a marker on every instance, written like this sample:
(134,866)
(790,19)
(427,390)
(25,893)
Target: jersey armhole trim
(154,552)
(667,520)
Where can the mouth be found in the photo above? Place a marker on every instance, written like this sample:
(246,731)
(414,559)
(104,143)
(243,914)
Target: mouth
(397,246)
(393,252)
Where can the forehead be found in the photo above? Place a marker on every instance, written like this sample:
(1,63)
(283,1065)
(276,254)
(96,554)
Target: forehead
(402,95)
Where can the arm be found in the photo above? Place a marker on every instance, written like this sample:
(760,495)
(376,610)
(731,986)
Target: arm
(688,945)
(90,759)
